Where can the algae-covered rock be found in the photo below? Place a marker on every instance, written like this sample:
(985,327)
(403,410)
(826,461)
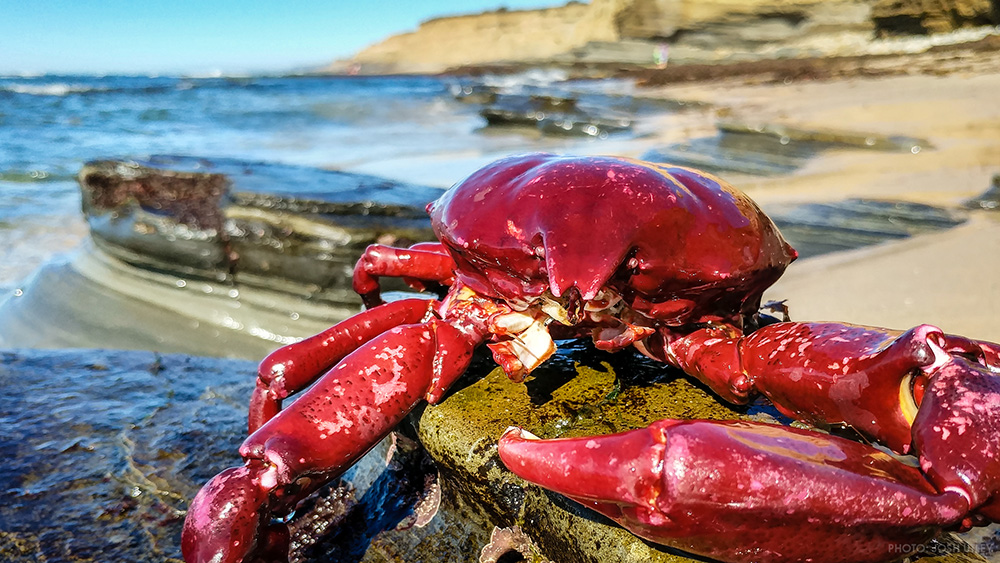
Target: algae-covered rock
(293,228)
(578,392)
(103,451)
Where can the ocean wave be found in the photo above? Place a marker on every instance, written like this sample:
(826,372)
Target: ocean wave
(62,89)
(52,89)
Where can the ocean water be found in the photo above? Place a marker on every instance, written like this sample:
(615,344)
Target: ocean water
(51,125)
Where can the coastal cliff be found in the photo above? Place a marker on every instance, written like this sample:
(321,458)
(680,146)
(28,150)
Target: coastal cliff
(636,31)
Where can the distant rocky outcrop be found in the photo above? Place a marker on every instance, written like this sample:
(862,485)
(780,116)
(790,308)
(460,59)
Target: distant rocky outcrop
(933,16)
(652,31)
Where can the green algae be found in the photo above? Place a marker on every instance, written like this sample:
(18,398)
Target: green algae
(579,392)
(587,399)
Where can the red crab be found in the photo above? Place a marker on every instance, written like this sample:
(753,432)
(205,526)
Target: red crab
(669,260)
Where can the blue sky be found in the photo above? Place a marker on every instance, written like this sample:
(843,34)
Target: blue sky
(191,36)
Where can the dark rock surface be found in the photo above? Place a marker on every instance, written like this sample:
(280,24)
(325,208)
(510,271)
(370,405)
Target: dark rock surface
(903,17)
(564,112)
(553,115)
(771,149)
(989,200)
(819,228)
(104,450)
(266,225)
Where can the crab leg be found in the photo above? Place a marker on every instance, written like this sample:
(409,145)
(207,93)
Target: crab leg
(741,492)
(829,373)
(920,391)
(332,424)
(424,262)
(292,368)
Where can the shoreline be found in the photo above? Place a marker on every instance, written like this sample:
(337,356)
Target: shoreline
(953,112)
(947,278)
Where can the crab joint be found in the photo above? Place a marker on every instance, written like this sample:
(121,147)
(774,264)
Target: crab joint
(527,346)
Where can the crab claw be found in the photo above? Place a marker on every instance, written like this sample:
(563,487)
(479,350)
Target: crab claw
(956,431)
(739,491)
(226,521)
(322,434)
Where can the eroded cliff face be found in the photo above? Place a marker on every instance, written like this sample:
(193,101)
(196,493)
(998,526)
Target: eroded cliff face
(632,31)
(527,35)
(933,16)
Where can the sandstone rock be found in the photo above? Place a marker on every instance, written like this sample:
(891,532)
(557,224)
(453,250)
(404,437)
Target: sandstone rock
(528,35)
(266,225)
(603,29)
(657,32)
(896,17)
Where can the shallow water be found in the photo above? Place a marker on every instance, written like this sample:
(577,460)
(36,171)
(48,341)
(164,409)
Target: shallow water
(50,125)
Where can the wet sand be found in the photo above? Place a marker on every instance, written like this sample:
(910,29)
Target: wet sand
(952,278)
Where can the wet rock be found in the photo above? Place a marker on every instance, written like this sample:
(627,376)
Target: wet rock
(295,228)
(734,152)
(828,138)
(554,114)
(818,228)
(578,392)
(103,451)
(473,93)
(93,300)
(212,257)
(772,149)
(989,200)
(562,110)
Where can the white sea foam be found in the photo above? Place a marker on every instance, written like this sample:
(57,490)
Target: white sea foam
(52,89)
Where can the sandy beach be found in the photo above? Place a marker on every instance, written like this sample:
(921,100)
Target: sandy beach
(952,278)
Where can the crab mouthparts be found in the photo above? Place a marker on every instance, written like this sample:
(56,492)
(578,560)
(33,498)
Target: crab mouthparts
(523,335)
(527,342)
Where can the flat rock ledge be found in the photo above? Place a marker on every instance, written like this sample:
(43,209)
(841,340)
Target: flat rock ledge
(104,450)
(581,392)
